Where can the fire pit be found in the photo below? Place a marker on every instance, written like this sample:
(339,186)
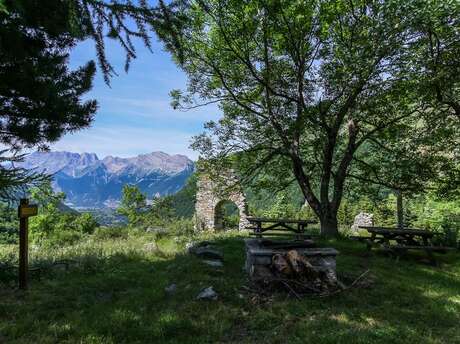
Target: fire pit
(296,264)
(261,255)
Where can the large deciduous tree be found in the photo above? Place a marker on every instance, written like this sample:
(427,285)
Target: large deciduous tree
(434,54)
(306,87)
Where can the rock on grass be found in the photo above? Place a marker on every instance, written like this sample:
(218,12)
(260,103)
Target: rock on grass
(207,294)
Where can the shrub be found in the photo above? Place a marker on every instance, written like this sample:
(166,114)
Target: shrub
(439,216)
(182,227)
(9,235)
(104,232)
(56,228)
(85,223)
(9,225)
(282,207)
(231,221)
(61,238)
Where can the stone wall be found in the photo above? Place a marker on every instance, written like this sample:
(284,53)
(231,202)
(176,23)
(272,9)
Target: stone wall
(362,219)
(210,195)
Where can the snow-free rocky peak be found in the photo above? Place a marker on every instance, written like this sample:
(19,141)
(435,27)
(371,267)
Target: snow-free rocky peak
(89,181)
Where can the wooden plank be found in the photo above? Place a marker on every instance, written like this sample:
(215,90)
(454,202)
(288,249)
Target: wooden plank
(360,238)
(407,232)
(271,220)
(393,228)
(284,233)
(405,229)
(431,248)
(28,210)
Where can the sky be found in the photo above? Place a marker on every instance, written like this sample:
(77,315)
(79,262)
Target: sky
(134,115)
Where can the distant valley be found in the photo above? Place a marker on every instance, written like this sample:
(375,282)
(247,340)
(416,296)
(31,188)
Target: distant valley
(90,182)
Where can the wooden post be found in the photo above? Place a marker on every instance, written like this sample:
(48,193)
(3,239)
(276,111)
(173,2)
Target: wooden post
(23,246)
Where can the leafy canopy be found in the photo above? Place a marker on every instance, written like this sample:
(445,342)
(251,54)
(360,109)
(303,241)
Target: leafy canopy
(310,90)
(133,204)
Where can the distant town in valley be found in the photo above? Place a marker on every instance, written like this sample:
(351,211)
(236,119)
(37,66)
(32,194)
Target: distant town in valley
(92,183)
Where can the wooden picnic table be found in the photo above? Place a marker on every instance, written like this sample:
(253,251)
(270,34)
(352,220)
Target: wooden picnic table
(262,224)
(399,240)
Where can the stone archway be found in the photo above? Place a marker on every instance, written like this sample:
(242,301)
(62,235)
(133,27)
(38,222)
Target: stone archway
(210,194)
(220,213)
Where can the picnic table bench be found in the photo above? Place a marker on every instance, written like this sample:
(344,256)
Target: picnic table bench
(399,240)
(261,225)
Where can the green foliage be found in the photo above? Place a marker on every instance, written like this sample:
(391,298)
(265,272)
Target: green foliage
(3,7)
(228,213)
(282,207)
(114,292)
(110,232)
(161,211)
(121,21)
(182,227)
(425,211)
(14,181)
(9,224)
(321,92)
(52,227)
(437,215)
(85,223)
(133,205)
(183,201)
(384,210)
(45,197)
(40,99)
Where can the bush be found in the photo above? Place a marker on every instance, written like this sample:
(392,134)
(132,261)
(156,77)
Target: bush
(231,221)
(56,228)
(440,216)
(9,235)
(104,233)
(182,227)
(9,225)
(282,208)
(61,238)
(85,223)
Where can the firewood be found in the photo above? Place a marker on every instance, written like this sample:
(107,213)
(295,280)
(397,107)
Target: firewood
(281,265)
(295,261)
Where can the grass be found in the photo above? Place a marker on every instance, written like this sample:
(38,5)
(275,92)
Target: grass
(113,292)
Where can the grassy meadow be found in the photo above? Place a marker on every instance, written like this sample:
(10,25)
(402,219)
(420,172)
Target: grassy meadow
(112,290)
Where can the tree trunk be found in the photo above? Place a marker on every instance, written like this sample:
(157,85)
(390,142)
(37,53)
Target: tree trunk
(399,209)
(329,225)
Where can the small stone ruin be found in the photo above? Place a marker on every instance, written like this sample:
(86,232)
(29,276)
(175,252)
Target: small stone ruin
(362,219)
(211,197)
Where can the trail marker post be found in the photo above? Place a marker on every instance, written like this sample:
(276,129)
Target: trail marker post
(25,210)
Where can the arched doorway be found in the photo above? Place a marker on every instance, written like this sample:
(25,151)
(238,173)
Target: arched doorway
(226,215)
(211,198)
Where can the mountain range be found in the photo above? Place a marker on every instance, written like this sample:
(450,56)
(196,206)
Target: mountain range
(91,182)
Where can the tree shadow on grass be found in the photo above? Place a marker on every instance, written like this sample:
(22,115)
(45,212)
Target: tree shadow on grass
(121,298)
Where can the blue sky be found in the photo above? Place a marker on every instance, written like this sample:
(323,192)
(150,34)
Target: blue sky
(134,115)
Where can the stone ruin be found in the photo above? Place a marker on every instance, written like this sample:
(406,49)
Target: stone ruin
(211,197)
(307,268)
(362,219)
